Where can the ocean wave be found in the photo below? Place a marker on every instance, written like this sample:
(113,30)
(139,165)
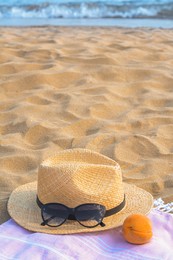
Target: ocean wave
(92,9)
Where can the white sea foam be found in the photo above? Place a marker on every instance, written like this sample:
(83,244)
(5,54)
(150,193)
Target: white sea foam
(86,9)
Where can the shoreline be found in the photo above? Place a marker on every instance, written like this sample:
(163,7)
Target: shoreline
(124,23)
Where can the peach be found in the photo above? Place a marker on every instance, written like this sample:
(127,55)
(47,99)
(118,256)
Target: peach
(137,229)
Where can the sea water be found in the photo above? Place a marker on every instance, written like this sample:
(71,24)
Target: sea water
(71,10)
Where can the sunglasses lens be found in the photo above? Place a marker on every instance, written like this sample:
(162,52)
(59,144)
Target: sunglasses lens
(90,215)
(54,214)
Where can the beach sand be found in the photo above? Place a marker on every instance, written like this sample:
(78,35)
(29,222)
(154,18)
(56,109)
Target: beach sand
(105,89)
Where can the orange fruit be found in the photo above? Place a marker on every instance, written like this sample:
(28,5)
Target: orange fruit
(137,229)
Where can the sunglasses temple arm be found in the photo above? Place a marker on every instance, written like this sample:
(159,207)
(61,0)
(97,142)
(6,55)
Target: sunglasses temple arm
(102,224)
(47,220)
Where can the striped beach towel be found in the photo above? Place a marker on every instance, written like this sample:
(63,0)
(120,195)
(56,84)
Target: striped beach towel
(20,244)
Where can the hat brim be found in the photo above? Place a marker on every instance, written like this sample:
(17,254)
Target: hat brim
(23,208)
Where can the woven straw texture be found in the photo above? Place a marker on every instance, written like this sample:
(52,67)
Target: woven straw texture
(74,177)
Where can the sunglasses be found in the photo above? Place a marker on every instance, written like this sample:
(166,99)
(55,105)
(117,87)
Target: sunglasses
(88,215)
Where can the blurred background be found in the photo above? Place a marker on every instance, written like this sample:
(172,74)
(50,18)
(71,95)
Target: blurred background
(57,11)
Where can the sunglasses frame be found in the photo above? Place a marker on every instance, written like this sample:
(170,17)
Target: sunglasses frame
(108,212)
(71,214)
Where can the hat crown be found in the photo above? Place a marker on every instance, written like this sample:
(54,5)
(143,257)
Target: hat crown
(78,176)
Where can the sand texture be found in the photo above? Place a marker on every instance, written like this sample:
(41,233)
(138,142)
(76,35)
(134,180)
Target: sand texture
(105,89)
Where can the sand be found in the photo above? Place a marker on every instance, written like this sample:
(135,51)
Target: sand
(105,89)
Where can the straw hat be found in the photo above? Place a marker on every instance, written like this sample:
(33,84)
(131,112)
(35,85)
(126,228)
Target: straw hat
(73,177)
